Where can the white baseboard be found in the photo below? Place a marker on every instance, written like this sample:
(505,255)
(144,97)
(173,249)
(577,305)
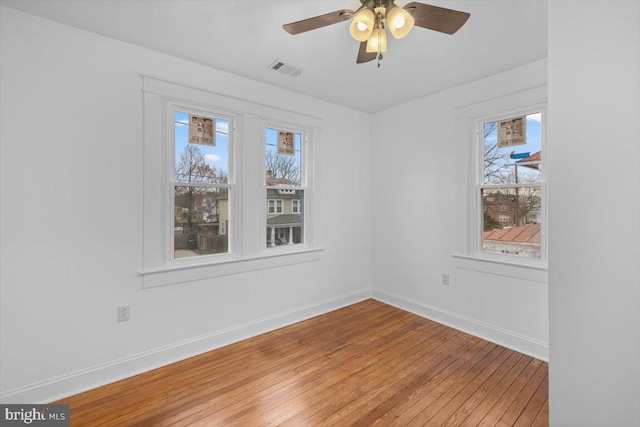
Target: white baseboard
(503,337)
(87,379)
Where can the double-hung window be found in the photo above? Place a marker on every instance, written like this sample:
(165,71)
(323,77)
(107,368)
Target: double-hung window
(509,187)
(285,185)
(202,186)
(296,206)
(218,172)
(275,206)
(501,187)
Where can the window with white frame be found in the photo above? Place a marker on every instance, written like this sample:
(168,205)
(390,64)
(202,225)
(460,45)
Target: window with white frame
(509,184)
(284,177)
(201,187)
(275,206)
(204,208)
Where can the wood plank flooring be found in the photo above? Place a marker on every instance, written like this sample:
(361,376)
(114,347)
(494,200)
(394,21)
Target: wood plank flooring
(364,365)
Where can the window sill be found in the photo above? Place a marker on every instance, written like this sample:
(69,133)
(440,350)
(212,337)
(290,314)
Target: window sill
(537,272)
(189,273)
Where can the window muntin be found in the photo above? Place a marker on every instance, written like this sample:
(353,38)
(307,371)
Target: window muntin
(284,180)
(510,188)
(201,184)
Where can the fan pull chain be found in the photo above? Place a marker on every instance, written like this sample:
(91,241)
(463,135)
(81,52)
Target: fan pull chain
(379,50)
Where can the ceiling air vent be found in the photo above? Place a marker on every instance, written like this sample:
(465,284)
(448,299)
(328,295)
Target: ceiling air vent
(287,69)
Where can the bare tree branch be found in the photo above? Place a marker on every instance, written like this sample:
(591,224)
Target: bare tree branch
(282,166)
(193,168)
(494,161)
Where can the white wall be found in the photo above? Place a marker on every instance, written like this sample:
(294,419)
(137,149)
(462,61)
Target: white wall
(594,210)
(416,165)
(71,225)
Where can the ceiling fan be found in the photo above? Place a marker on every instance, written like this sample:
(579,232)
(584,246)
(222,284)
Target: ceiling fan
(368,23)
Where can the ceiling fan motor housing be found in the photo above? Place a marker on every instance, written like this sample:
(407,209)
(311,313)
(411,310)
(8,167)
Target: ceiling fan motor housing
(376,3)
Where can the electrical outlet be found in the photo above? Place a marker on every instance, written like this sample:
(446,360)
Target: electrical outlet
(124,313)
(445,279)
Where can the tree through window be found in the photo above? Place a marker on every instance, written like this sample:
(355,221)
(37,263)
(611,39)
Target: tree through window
(285,187)
(510,190)
(201,185)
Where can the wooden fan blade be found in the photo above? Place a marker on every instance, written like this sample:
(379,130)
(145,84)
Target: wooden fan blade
(436,18)
(318,21)
(363,55)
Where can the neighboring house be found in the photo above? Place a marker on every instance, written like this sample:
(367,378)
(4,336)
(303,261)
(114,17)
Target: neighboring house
(207,209)
(181,212)
(523,241)
(284,213)
(510,210)
(533,161)
(209,221)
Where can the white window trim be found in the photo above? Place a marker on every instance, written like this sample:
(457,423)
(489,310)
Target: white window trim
(476,183)
(296,207)
(169,142)
(467,250)
(248,251)
(307,145)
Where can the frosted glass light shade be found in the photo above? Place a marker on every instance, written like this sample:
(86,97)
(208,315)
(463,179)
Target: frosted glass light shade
(362,25)
(378,41)
(399,21)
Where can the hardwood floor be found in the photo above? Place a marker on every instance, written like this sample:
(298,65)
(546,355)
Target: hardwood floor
(366,364)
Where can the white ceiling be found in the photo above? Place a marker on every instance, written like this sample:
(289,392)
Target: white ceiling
(245,36)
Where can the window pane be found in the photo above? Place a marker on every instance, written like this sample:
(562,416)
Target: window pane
(206,159)
(201,221)
(285,217)
(511,221)
(282,160)
(517,160)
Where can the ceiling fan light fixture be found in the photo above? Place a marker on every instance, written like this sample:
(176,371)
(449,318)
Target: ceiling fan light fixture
(378,41)
(368,22)
(362,25)
(399,21)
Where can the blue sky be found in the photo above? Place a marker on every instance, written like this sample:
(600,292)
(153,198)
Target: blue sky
(217,156)
(533,145)
(272,143)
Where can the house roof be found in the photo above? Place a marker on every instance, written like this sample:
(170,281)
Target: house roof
(293,220)
(273,193)
(279,181)
(533,161)
(530,234)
